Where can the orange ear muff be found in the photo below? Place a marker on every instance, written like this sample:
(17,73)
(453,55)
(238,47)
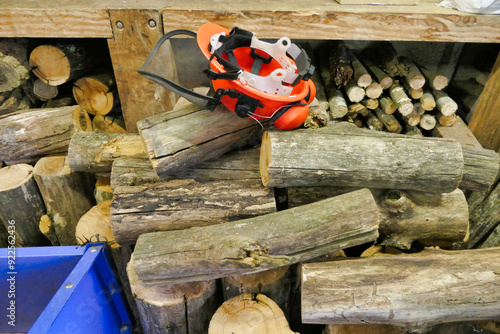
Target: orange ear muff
(293,117)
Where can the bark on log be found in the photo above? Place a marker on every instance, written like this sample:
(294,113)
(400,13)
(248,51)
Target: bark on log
(415,94)
(257,244)
(14,67)
(412,131)
(96,94)
(178,139)
(427,101)
(382,78)
(354,92)
(357,108)
(374,123)
(444,103)
(415,78)
(339,60)
(387,105)
(361,75)
(412,119)
(400,98)
(424,164)
(21,205)
(108,124)
(94,152)
(13,102)
(29,135)
(389,121)
(389,60)
(318,115)
(432,287)
(180,204)
(67,195)
(275,284)
(249,313)
(334,97)
(181,308)
(102,191)
(436,80)
(47,228)
(414,216)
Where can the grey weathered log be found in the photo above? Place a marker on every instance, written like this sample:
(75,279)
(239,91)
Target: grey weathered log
(259,243)
(181,138)
(481,167)
(360,158)
(436,219)
(181,309)
(31,134)
(21,205)
(95,152)
(429,287)
(339,61)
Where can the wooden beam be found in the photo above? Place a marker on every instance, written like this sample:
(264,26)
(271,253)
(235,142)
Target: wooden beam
(485,123)
(135,34)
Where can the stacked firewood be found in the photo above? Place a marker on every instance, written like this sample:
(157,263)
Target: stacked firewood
(377,89)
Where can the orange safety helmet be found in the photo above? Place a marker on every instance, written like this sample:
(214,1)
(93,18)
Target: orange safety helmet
(250,77)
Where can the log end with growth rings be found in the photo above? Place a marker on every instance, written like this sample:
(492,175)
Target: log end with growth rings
(265,158)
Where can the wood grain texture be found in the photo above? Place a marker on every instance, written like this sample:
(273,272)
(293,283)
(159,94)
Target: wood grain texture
(131,45)
(430,287)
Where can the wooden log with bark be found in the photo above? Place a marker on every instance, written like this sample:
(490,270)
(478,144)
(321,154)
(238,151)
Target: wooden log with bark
(371,104)
(415,94)
(29,135)
(400,98)
(432,286)
(374,90)
(481,168)
(14,67)
(81,120)
(354,92)
(382,78)
(275,284)
(257,244)
(389,60)
(427,101)
(251,314)
(387,105)
(21,205)
(180,138)
(180,308)
(44,91)
(334,96)
(47,228)
(435,79)
(389,121)
(361,75)
(363,329)
(318,109)
(446,120)
(13,102)
(67,195)
(427,121)
(96,94)
(425,164)
(94,152)
(374,123)
(339,61)
(437,219)
(444,103)
(415,78)
(109,124)
(102,191)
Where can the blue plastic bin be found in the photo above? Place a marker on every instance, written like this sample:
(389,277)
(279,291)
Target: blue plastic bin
(60,290)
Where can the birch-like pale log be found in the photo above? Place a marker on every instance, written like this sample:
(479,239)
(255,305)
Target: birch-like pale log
(382,78)
(361,74)
(444,103)
(364,159)
(354,92)
(415,78)
(257,244)
(181,138)
(429,287)
(400,98)
(427,101)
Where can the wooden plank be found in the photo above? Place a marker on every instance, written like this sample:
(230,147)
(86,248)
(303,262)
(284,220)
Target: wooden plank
(379,2)
(135,34)
(485,123)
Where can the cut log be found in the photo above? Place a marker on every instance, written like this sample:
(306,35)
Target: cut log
(181,138)
(389,60)
(354,92)
(413,216)
(181,308)
(417,109)
(275,284)
(334,96)
(249,313)
(427,122)
(102,191)
(427,101)
(14,67)
(44,91)
(21,205)
(108,124)
(415,78)
(432,287)
(389,121)
(62,62)
(358,108)
(257,244)
(318,115)
(387,105)
(12,103)
(412,119)
(180,204)
(446,120)
(339,60)
(81,120)
(444,103)
(382,78)
(94,152)
(481,168)
(436,80)
(415,94)
(361,75)
(412,131)
(374,90)
(95,94)
(374,123)
(400,98)
(47,228)
(31,134)
(67,195)
(371,104)
(425,164)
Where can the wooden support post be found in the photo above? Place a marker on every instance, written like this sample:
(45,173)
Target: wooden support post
(432,286)
(260,243)
(139,97)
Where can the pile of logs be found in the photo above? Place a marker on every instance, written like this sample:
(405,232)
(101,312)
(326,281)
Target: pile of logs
(214,224)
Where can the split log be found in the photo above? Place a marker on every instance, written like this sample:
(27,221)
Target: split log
(62,62)
(424,164)
(389,60)
(444,103)
(389,121)
(339,60)
(354,92)
(14,67)
(67,195)
(400,98)
(432,287)
(383,78)
(251,314)
(47,228)
(180,138)
(21,205)
(102,191)
(318,115)
(29,135)
(435,219)
(108,124)
(94,152)
(257,244)
(275,284)
(387,105)
(415,78)
(44,91)
(374,90)
(374,123)
(427,122)
(361,76)
(180,204)
(81,120)
(427,101)
(436,80)
(96,94)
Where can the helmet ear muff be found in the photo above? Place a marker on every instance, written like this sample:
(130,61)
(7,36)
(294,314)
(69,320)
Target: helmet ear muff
(293,116)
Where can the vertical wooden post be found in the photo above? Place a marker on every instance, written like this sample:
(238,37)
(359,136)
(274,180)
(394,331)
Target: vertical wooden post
(135,32)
